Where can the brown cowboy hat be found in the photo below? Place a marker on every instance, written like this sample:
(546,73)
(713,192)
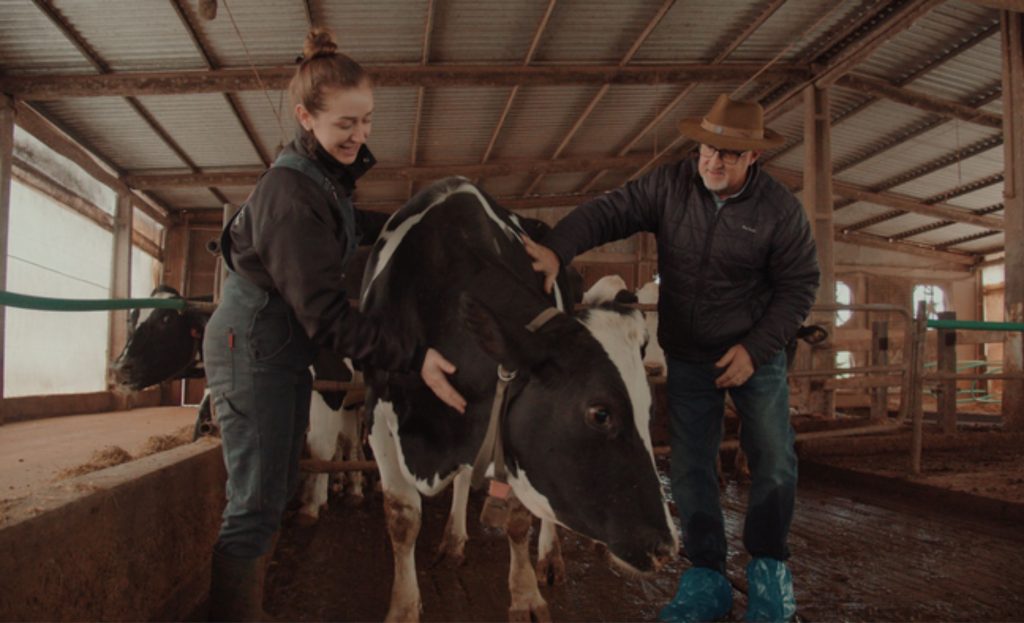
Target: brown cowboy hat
(732,125)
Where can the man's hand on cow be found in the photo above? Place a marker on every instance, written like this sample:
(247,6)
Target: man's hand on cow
(435,373)
(738,367)
(544,261)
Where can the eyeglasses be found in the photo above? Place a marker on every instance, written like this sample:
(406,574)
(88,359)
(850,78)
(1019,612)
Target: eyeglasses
(729,156)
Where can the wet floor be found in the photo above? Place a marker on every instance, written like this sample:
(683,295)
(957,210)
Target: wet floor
(856,557)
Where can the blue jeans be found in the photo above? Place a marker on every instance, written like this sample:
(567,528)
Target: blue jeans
(696,409)
(257,359)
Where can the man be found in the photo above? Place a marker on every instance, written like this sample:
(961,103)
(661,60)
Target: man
(739,273)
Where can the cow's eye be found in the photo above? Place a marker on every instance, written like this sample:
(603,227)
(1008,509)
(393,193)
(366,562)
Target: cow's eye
(600,418)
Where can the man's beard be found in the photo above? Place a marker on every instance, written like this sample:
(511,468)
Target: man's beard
(717,186)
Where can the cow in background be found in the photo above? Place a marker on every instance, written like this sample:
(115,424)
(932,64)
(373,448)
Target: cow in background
(450,271)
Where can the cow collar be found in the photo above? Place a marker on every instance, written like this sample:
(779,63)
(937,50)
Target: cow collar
(493,450)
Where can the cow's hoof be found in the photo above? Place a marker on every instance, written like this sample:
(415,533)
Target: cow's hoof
(539,613)
(551,571)
(452,549)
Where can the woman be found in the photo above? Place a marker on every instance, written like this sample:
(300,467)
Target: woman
(283,300)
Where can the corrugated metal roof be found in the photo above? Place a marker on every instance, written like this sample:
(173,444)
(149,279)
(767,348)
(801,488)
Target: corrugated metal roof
(955,48)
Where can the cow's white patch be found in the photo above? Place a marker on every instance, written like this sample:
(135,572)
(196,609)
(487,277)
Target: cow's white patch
(604,290)
(534,501)
(621,336)
(385,411)
(146,312)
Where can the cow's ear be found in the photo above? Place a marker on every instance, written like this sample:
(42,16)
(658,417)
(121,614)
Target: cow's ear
(506,342)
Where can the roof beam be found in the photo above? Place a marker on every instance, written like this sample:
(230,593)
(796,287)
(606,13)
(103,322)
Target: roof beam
(382,172)
(867,240)
(895,201)
(601,92)
(62,87)
(922,101)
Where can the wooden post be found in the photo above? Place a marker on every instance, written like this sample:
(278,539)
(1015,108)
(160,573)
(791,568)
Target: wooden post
(1013,193)
(121,276)
(818,204)
(920,329)
(879,357)
(946,344)
(6,158)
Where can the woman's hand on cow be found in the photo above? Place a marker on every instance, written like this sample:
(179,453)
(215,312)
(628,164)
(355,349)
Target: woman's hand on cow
(435,373)
(738,367)
(544,261)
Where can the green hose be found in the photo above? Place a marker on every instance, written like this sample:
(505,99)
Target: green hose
(975,324)
(25,301)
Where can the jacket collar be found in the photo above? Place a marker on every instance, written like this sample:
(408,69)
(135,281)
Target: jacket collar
(346,174)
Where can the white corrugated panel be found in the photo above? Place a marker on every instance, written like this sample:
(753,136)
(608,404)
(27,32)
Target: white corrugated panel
(375,32)
(561,183)
(621,114)
(696,104)
(394,114)
(188,119)
(797,22)
(899,225)
(255,32)
(457,123)
(538,121)
(856,212)
(974,72)
(31,44)
(996,241)
(484,31)
(594,31)
(506,184)
(114,130)
(271,116)
(943,28)
(381,190)
(946,234)
(129,35)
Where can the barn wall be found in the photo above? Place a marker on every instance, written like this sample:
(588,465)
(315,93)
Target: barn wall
(127,543)
(35,407)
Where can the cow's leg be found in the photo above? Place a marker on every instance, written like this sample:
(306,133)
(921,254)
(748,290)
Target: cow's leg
(453,543)
(527,601)
(550,566)
(403,516)
(322,442)
(352,448)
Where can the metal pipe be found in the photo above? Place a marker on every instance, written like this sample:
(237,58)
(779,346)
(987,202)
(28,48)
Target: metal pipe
(856,370)
(976,325)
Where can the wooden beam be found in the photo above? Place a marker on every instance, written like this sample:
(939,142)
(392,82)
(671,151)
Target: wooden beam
(6,169)
(919,100)
(383,172)
(121,274)
(1005,5)
(895,201)
(41,128)
(1013,192)
(867,240)
(421,93)
(65,86)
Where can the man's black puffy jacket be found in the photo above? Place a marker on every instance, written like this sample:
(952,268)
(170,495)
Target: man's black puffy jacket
(743,274)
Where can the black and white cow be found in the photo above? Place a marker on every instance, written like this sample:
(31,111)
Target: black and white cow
(450,270)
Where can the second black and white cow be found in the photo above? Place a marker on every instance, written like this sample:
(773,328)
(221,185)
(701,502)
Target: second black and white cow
(450,271)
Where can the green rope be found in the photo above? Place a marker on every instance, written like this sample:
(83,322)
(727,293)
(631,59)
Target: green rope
(25,301)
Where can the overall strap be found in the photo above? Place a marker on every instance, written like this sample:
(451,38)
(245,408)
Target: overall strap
(342,206)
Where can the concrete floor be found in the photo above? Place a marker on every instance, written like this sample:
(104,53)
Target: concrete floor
(35,452)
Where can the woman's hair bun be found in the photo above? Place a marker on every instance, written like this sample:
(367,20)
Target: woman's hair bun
(319,42)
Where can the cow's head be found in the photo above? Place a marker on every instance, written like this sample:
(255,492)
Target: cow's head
(577,428)
(812,334)
(162,344)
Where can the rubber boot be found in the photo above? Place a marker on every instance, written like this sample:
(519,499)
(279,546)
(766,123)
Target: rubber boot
(236,588)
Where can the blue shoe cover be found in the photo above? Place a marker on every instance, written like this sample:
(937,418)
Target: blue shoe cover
(769,591)
(704,595)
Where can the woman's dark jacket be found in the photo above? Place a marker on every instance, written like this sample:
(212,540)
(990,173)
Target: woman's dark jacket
(289,239)
(743,274)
